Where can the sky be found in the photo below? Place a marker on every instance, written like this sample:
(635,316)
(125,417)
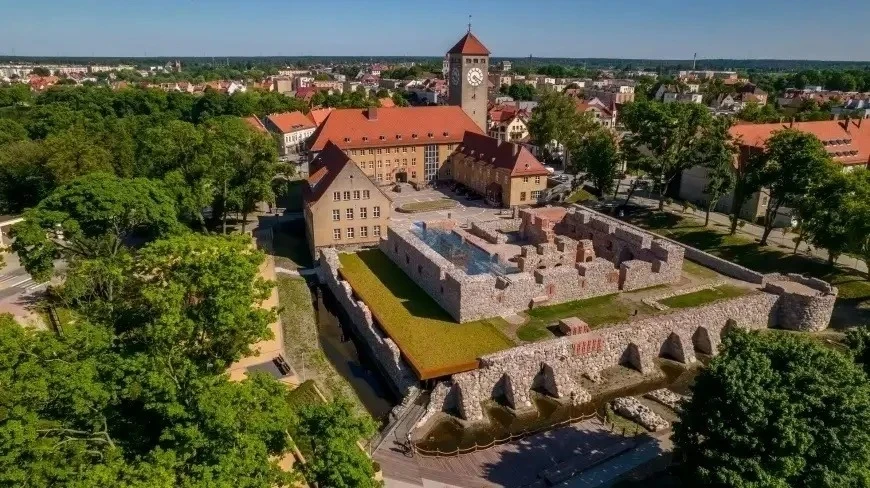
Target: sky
(652,29)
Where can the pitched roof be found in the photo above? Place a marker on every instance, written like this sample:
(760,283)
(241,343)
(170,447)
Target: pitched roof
(399,126)
(325,167)
(387,102)
(848,142)
(256,124)
(319,115)
(507,155)
(469,44)
(290,121)
(593,104)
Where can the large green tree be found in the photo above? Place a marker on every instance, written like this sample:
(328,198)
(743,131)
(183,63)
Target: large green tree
(858,211)
(793,164)
(776,411)
(556,121)
(96,215)
(663,137)
(717,154)
(598,155)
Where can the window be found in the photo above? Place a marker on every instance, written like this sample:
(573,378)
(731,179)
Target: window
(346,195)
(363,212)
(380,164)
(414,161)
(430,162)
(379,151)
(371,151)
(536,194)
(376,212)
(336,234)
(525,179)
(379,177)
(336,196)
(522,196)
(413,175)
(356,194)
(336,215)
(350,232)
(371,165)
(389,177)
(376,231)
(537,179)
(365,194)
(363,231)
(349,214)
(405,149)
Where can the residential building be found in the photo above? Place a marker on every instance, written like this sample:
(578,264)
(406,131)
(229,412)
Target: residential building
(508,123)
(256,123)
(847,141)
(469,68)
(506,66)
(604,115)
(294,129)
(506,173)
(302,81)
(329,85)
(407,144)
(610,95)
(706,75)
(282,84)
(342,207)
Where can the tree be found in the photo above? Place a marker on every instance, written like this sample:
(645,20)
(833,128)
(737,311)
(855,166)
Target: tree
(663,137)
(716,153)
(823,211)
(556,121)
(93,216)
(399,99)
(333,431)
(748,175)
(792,164)
(11,131)
(252,180)
(598,155)
(858,341)
(776,411)
(858,209)
(40,71)
(24,176)
(74,153)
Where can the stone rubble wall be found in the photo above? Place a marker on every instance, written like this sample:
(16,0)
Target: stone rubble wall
(494,231)
(632,409)
(806,303)
(667,398)
(386,351)
(636,343)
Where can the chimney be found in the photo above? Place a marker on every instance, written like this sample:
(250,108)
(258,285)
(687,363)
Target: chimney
(791,123)
(515,149)
(847,120)
(860,119)
(372,113)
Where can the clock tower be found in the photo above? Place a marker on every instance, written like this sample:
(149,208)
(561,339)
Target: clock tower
(468,77)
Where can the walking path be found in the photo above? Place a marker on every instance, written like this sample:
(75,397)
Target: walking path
(266,352)
(777,237)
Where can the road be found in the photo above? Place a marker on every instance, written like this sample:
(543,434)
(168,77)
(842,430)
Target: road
(18,291)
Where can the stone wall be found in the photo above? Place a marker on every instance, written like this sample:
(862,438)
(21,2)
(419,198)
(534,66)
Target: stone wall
(386,351)
(494,231)
(806,303)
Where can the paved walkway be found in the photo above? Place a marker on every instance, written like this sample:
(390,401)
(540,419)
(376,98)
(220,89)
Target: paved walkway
(752,231)
(265,352)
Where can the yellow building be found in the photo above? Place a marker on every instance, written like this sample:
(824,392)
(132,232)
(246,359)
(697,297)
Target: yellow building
(398,144)
(506,173)
(343,207)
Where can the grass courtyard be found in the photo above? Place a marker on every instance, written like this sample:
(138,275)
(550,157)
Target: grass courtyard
(431,341)
(703,297)
(596,311)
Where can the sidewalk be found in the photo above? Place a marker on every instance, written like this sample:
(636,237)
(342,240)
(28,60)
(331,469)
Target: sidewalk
(751,231)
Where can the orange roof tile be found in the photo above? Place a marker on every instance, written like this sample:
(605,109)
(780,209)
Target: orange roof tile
(386,102)
(290,121)
(847,142)
(399,126)
(256,124)
(319,115)
(508,155)
(469,44)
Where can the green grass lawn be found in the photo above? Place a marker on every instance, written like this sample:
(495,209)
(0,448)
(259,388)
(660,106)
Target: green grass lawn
(854,287)
(432,342)
(428,206)
(697,270)
(594,311)
(702,297)
(580,195)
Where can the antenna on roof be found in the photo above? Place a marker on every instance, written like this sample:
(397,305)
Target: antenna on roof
(469,23)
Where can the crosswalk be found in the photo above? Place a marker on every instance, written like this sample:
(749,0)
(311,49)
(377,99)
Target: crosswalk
(20,281)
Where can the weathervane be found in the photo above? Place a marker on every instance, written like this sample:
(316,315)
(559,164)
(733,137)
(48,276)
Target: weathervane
(469,23)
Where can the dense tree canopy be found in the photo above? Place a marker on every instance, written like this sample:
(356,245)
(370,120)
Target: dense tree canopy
(776,411)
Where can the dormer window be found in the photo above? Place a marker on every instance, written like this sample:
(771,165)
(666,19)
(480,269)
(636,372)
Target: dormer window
(431,135)
(383,138)
(413,136)
(445,133)
(365,139)
(347,139)
(399,137)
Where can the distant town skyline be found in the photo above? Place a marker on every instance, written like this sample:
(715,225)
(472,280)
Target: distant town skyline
(656,29)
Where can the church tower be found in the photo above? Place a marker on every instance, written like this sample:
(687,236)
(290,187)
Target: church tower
(468,77)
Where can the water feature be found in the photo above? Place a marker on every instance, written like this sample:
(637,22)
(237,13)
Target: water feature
(448,433)
(469,257)
(350,356)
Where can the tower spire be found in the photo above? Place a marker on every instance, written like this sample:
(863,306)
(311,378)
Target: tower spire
(469,23)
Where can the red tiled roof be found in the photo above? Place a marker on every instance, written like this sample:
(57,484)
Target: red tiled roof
(290,121)
(323,169)
(587,105)
(386,102)
(847,142)
(399,126)
(469,44)
(319,115)
(508,155)
(306,92)
(256,124)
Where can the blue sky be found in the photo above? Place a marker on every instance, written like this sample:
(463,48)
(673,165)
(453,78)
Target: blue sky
(661,29)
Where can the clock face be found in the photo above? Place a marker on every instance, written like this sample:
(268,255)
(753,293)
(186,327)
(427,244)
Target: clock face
(475,76)
(455,75)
